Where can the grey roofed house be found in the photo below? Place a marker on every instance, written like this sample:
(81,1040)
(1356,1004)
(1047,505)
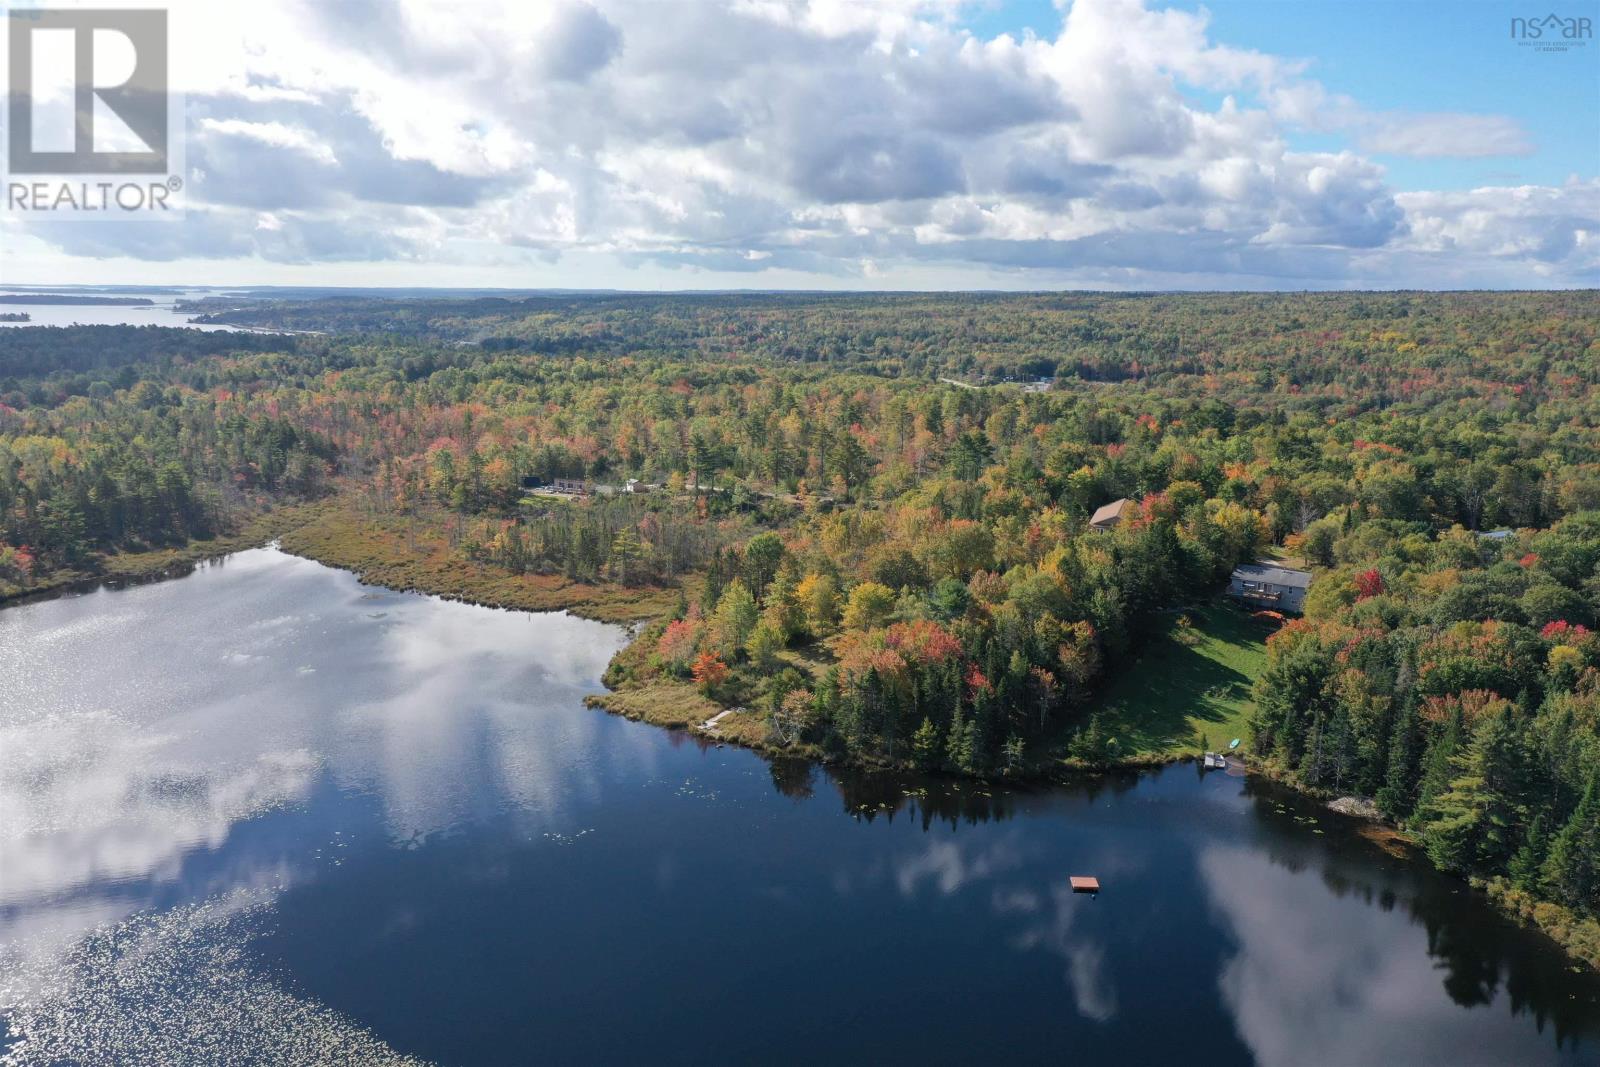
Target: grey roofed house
(1108,515)
(1270,585)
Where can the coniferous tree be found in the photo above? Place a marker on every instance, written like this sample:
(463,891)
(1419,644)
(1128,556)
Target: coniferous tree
(1573,869)
(1472,825)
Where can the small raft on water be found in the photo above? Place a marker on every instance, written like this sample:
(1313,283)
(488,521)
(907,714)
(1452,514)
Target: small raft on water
(1084,884)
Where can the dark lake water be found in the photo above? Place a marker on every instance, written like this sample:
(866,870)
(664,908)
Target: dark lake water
(266,814)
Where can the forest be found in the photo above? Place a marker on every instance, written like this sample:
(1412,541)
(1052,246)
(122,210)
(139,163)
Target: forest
(871,511)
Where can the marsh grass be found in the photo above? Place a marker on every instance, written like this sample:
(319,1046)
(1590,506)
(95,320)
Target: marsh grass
(415,553)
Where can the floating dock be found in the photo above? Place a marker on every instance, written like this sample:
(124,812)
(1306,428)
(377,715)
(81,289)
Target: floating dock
(1084,884)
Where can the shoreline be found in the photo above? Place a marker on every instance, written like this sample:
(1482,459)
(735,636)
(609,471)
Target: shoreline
(327,532)
(121,570)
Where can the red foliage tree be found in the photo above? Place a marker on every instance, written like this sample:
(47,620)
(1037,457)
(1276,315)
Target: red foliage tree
(922,641)
(1563,631)
(709,671)
(1369,583)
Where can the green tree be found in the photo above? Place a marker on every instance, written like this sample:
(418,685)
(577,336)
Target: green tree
(926,746)
(733,620)
(869,606)
(970,455)
(626,549)
(818,594)
(1526,869)
(1472,824)
(763,646)
(1573,869)
(762,555)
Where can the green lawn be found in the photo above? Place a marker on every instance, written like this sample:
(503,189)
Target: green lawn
(1183,683)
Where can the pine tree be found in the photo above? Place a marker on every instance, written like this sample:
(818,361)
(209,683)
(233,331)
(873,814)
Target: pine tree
(1472,825)
(958,745)
(1573,869)
(1437,762)
(1398,792)
(625,549)
(1527,866)
(925,747)
(1011,754)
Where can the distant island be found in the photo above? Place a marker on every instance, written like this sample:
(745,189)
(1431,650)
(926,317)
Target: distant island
(59,298)
(15,316)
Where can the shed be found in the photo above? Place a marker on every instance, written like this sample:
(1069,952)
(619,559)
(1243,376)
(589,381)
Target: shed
(1270,585)
(1107,516)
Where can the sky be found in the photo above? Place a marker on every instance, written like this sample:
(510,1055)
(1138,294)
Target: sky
(865,144)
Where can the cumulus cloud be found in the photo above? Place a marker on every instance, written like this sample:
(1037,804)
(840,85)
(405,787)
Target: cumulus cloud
(1543,227)
(821,136)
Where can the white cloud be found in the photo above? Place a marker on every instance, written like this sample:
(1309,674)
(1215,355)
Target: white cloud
(1544,227)
(274,135)
(1446,135)
(761,138)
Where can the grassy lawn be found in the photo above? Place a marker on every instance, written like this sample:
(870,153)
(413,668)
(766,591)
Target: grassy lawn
(1184,683)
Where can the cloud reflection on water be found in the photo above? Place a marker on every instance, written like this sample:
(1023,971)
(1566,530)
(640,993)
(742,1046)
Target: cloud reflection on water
(1311,981)
(140,729)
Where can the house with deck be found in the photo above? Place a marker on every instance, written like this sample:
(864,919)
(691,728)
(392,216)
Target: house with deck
(1268,585)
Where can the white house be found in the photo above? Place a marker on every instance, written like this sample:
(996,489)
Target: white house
(1267,585)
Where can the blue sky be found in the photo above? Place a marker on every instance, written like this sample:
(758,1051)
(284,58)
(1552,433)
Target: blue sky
(854,144)
(1416,55)
(1419,55)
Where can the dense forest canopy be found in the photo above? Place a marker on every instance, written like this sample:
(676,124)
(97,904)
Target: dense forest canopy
(882,501)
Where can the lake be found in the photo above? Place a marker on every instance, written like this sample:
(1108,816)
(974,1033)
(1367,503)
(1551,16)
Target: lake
(264,813)
(162,312)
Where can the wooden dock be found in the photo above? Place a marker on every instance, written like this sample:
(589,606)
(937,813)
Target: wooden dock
(1084,884)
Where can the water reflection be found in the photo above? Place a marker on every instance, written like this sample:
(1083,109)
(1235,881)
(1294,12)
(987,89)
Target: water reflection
(140,730)
(1306,969)
(391,818)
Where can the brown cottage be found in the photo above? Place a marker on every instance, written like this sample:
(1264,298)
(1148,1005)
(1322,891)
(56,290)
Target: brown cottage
(1109,515)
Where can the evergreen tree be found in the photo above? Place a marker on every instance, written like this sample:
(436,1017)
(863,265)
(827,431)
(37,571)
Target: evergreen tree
(958,744)
(1573,869)
(1398,792)
(926,749)
(1438,761)
(1472,824)
(1526,869)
